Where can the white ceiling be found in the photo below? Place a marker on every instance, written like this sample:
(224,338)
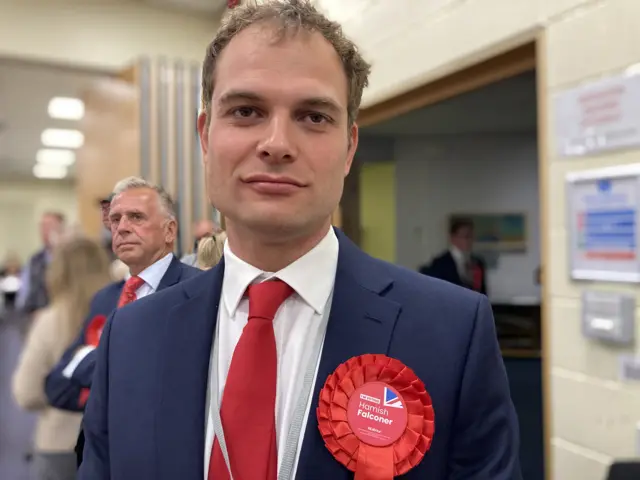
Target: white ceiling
(508,106)
(25,91)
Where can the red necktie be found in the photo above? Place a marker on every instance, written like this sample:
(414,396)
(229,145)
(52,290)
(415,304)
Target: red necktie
(128,294)
(249,398)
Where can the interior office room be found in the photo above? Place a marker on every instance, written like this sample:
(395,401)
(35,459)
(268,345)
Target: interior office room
(482,108)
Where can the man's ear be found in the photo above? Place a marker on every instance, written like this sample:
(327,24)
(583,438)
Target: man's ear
(203,132)
(353,146)
(171,232)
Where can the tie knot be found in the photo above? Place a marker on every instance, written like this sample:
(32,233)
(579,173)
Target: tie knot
(133,284)
(265,298)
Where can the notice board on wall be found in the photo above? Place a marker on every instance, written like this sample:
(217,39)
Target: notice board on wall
(602,210)
(598,116)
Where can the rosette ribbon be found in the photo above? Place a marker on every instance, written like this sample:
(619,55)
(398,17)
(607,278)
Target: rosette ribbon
(367,461)
(94,330)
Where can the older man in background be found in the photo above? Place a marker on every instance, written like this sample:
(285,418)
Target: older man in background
(143,224)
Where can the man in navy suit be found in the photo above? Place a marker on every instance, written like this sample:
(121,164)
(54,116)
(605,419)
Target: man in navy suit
(143,222)
(458,265)
(222,373)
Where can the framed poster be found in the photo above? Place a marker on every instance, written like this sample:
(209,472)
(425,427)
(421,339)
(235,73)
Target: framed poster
(496,232)
(602,218)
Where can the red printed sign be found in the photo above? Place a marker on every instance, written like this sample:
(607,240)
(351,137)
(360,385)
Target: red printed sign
(377,414)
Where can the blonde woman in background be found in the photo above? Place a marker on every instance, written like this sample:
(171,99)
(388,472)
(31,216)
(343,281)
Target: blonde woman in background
(210,251)
(78,269)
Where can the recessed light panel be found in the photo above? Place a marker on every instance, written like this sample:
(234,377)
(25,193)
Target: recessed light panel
(49,171)
(61,138)
(53,156)
(65,108)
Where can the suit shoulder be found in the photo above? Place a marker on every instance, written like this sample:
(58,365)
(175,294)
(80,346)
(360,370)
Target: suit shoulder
(161,301)
(442,257)
(188,271)
(428,290)
(108,292)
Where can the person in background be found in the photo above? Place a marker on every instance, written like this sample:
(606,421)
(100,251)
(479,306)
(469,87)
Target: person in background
(105,232)
(210,251)
(201,229)
(33,291)
(458,265)
(79,268)
(118,269)
(143,223)
(10,281)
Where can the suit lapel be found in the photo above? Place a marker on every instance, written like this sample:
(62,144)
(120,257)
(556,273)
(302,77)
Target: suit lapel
(453,265)
(361,321)
(172,275)
(184,371)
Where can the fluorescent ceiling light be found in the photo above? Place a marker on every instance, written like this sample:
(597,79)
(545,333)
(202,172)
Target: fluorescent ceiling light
(49,171)
(52,156)
(59,138)
(66,108)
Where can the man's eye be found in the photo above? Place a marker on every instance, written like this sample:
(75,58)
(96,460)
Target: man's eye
(317,118)
(243,112)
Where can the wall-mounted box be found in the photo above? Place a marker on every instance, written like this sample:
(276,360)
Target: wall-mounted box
(609,317)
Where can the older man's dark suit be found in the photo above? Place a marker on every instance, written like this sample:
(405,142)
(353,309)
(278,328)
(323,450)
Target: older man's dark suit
(65,393)
(146,414)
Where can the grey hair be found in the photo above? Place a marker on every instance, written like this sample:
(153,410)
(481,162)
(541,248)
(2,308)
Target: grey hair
(130,183)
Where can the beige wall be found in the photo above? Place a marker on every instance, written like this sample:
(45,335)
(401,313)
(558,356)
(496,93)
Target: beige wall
(21,204)
(99,33)
(593,414)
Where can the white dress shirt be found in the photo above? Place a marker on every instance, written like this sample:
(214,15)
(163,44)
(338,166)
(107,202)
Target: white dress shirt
(152,276)
(460,258)
(297,326)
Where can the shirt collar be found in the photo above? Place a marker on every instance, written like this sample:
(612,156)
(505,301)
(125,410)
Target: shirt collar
(312,276)
(457,254)
(152,275)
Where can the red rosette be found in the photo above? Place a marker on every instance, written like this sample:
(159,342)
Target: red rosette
(94,330)
(371,458)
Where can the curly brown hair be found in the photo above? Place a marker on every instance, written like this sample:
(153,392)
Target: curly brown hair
(289,17)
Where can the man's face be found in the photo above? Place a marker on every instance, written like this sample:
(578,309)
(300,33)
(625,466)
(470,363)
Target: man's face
(50,229)
(463,239)
(104,209)
(278,145)
(203,228)
(142,232)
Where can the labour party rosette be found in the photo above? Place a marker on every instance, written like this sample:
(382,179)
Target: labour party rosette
(376,417)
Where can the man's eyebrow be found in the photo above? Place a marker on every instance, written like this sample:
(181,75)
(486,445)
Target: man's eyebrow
(239,95)
(324,103)
(133,211)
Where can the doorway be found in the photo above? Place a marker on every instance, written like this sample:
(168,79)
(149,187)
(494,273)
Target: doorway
(468,145)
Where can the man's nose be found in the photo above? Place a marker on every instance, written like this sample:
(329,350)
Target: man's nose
(122,225)
(277,146)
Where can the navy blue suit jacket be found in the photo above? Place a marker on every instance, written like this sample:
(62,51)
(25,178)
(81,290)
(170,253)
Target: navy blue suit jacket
(63,392)
(146,414)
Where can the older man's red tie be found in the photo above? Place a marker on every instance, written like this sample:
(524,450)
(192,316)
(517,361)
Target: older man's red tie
(129,290)
(249,399)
